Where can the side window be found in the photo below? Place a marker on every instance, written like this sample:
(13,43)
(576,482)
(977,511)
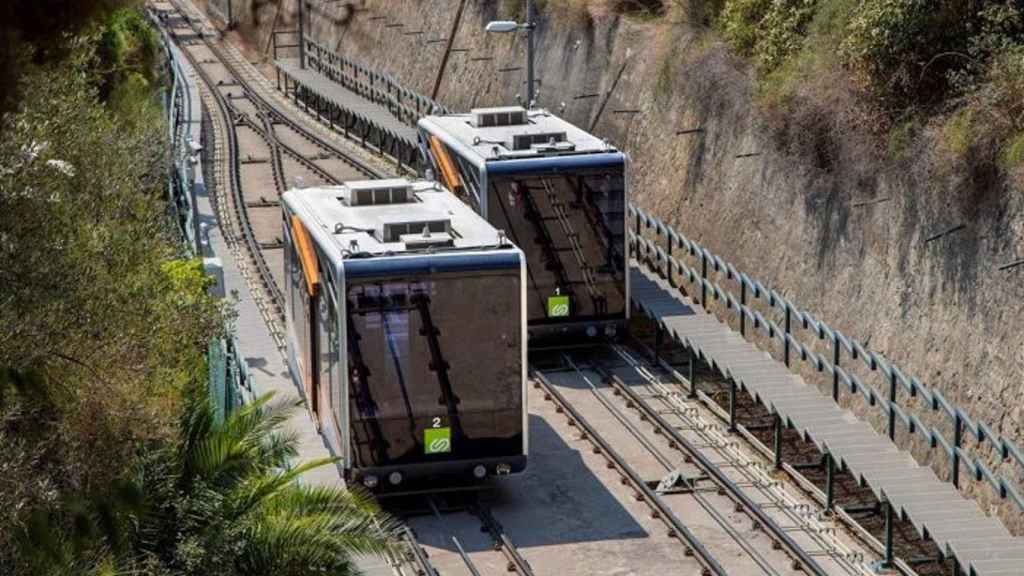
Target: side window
(289,257)
(335,378)
(324,327)
(297,294)
(471,180)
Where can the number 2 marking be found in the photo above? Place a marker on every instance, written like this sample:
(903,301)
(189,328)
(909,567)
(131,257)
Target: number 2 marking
(437,421)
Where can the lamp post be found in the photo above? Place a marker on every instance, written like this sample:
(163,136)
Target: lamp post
(505,26)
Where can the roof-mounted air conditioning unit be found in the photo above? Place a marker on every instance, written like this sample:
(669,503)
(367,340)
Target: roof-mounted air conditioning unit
(548,139)
(398,231)
(502,116)
(379,192)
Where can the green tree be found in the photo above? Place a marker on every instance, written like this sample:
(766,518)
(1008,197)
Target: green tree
(95,299)
(220,500)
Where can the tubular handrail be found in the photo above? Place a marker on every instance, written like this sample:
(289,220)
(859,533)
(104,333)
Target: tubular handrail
(666,264)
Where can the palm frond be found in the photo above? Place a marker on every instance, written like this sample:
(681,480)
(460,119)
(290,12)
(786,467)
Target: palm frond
(256,490)
(246,442)
(324,540)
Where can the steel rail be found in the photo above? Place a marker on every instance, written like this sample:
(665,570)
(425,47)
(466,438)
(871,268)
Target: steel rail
(277,166)
(425,568)
(755,555)
(280,149)
(704,557)
(470,565)
(716,475)
(852,561)
(801,481)
(235,183)
(516,561)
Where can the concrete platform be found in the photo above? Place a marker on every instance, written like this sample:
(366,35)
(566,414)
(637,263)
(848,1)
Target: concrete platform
(980,544)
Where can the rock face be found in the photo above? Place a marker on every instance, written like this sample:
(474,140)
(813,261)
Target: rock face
(905,254)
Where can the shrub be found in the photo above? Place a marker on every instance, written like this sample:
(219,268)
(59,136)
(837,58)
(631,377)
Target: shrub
(739,21)
(767,30)
(1012,155)
(919,52)
(900,139)
(958,131)
(1003,93)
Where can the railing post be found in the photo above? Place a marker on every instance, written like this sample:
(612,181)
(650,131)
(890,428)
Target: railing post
(692,373)
(636,236)
(732,405)
(835,365)
(889,552)
(658,339)
(958,440)
(743,303)
(892,403)
(830,473)
(703,279)
(668,258)
(778,441)
(785,337)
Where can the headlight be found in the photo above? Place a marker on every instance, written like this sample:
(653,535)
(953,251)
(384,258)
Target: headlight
(370,481)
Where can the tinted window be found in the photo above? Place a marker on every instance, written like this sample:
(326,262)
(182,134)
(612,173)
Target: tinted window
(571,227)
(441,351)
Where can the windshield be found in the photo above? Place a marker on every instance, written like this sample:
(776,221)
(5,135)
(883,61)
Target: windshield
(571,227)
(434,356)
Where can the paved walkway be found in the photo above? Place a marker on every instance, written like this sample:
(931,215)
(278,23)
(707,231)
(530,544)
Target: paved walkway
(982,545)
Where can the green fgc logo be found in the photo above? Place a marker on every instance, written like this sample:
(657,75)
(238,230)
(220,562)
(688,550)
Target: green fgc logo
(437,440)
(558,306)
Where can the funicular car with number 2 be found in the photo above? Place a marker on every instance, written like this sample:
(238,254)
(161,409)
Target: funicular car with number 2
(406,330)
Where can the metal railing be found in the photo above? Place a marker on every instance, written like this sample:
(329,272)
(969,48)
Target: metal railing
(701,276)
(230,383)
(181,106)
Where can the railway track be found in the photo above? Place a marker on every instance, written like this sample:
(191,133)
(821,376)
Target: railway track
(732,493)
(469,552)
(853,505)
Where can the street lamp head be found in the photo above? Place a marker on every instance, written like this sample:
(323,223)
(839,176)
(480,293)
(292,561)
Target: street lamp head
(502,26)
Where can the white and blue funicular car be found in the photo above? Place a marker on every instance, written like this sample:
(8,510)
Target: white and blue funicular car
(560,194)
(407,331)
